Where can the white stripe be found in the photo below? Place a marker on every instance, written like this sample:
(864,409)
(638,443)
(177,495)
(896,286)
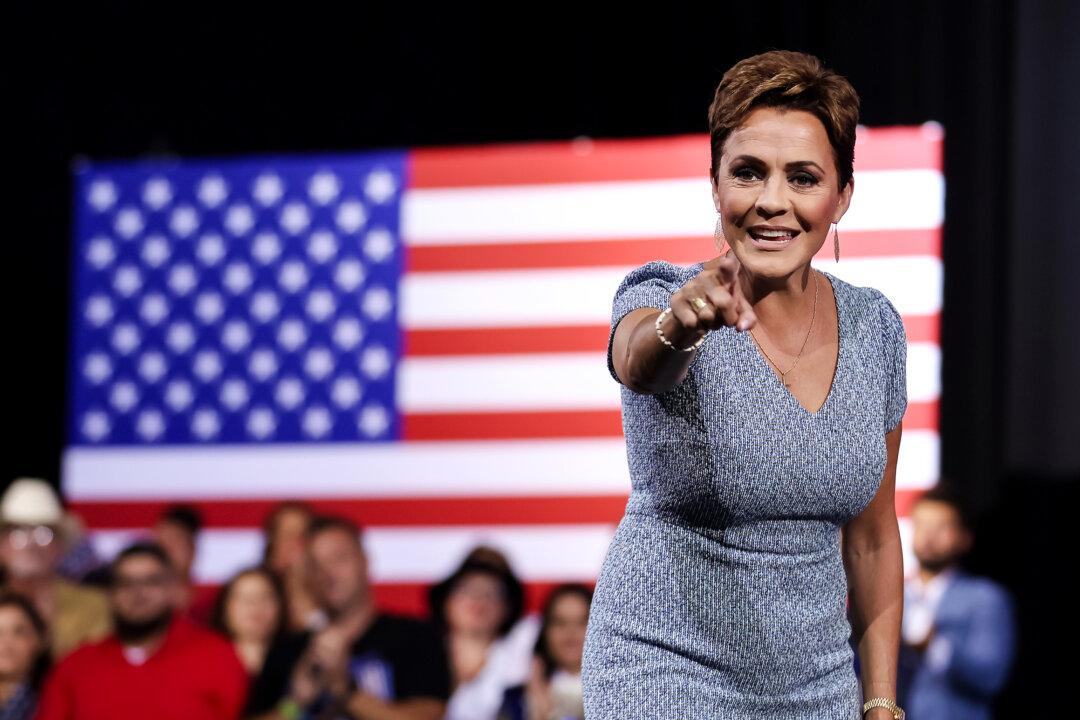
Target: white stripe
(418,469)
(583,296)
(424,554)
(883,200)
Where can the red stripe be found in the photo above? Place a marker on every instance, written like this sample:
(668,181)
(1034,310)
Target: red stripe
(633,252)
(621,160)
(566,338)
(367,512)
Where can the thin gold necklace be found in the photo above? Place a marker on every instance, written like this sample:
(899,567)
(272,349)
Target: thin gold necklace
(783,374)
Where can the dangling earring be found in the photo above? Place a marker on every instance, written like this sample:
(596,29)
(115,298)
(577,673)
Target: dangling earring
(719,234)
(836,242)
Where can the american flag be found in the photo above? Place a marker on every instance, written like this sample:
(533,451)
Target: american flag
(415,338)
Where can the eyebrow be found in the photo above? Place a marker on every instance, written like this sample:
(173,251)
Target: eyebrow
(790,166)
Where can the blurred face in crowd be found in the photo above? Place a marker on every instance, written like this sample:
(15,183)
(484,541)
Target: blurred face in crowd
(337,569)
(566,631)
(20,643)
(30,551)
(143,596)
(179,545)
(287,543)
(252,611)
(476,605)
(777,169)
(938,535)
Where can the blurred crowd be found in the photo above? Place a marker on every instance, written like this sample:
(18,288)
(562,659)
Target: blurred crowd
(298,635)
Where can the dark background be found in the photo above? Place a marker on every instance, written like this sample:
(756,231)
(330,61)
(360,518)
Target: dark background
(118,81)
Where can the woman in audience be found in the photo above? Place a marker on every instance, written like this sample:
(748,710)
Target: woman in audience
(24,656)
(284,530)
(489,644)
(251,610)
(553,691)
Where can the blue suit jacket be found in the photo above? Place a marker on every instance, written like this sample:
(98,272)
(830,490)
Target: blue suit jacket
(970,658)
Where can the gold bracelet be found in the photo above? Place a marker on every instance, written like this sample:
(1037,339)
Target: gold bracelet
(897,712)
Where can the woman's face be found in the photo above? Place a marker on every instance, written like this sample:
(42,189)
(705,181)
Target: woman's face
(288,541)
(566,631)
(777,169)
(476,605)
(19,643)
(252,611)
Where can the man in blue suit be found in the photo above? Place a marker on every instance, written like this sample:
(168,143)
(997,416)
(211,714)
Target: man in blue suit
(959,630)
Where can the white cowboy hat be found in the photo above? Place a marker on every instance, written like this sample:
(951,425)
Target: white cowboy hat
(30,501)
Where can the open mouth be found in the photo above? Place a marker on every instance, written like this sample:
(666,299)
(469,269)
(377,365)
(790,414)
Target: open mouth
(771,239)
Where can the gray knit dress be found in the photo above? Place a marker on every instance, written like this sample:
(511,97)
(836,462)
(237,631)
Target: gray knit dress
(723,593)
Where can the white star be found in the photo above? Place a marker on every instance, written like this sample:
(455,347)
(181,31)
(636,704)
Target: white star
(239,219)
(347,333)
(128,223)
(375,361)
(205,424)
(125,338)
(182,279)
(237,277)
(289,393)
(350,216)
(155,251)
(322,245)
(380,185)
(264,305)
(157,193)
(374,420)
(267,189)
(319,363)
(154,308)
(95,425)
(234,394)
(261,423)
(100,252)
(349,274)
(99,310)
(127,280)
(207,365)
(181,337)
(211,249)
(291,334)
(324,187)
(320,305)
(379,244)
(152,366)
(102,194)
(293,276)
(266,247)
(97,368)
(236,335)
(295,217)
(150,425)
(345,392)
(183,221)
(317,422)
(123,396)
(179,395)
(377,303)
(212,191)
(262,364)
(209,307)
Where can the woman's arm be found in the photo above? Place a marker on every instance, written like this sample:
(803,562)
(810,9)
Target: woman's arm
(874,561)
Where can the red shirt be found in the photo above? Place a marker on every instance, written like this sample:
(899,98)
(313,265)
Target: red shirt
(193,675)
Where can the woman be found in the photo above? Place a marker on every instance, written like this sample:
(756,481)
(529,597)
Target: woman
(284,530)
(553,691)
(252,612)
(489,644)
(762,413)
(24,656)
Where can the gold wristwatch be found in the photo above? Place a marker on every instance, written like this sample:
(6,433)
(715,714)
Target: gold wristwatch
(897,711)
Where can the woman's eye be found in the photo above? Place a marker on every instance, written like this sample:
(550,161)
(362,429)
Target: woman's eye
(741,174)
(810,180)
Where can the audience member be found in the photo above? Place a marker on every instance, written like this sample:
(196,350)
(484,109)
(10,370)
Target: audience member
(24,656)
(364,663)
(285,530)
(958,633)
(251,611)
(158,663)
(490,645)
(177,531)
(31,546)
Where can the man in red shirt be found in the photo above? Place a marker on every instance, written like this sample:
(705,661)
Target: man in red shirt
(157,664)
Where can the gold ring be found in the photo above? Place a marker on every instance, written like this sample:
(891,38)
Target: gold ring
(698,304)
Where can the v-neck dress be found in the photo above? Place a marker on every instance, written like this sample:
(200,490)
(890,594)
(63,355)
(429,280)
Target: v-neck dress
(723,592)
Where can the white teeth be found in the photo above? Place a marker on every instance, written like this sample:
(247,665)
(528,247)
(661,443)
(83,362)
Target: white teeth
(773,233)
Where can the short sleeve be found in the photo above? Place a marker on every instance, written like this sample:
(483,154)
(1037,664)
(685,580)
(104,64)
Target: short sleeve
(422,668)
(650,285)
(894,340)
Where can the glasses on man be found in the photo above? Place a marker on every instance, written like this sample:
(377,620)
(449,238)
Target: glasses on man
(24,536)
(151,582)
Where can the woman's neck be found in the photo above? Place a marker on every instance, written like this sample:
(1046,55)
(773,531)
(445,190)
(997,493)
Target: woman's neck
(252,654)
(8,687)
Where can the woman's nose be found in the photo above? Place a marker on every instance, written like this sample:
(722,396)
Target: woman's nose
(772,200)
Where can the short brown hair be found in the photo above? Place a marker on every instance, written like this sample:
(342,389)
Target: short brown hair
(793,81)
